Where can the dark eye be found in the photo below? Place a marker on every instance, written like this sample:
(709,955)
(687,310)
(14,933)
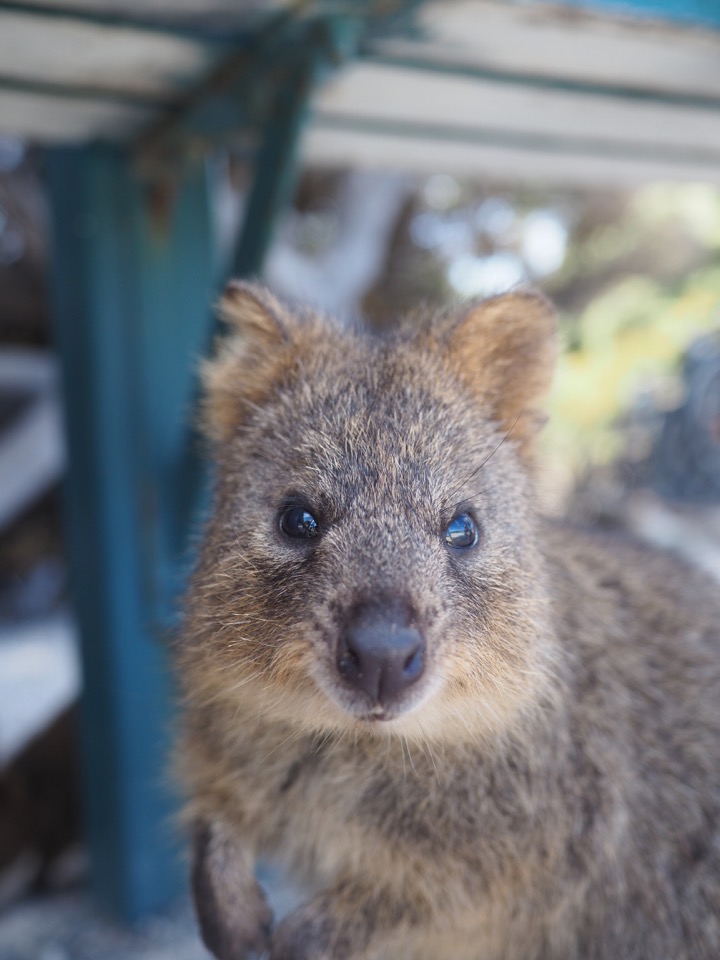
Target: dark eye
(462,532)
(298,522)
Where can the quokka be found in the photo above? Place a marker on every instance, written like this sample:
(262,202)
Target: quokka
(470,733)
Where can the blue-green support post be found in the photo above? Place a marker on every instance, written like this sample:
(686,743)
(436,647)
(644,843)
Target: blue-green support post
(325,44)
(130,290)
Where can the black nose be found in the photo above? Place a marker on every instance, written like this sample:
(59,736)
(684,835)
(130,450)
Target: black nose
(381,657)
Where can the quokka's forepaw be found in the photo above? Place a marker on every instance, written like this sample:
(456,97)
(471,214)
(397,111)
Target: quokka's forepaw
(302,936)
(240,932)
(234,916)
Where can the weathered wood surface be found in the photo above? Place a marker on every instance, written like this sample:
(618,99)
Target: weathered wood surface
(564,90)
(551,91)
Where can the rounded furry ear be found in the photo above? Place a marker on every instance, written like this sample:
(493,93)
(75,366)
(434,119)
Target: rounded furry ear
(247,361)
(505,349)
(252,311)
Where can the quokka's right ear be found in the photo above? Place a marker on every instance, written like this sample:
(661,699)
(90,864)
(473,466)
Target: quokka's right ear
(505,349)
(253,312)
(246,363)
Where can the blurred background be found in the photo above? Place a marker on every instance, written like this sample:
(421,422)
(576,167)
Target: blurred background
(360,157)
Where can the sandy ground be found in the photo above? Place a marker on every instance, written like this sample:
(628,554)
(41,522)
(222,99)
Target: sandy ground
(39,674)
(69,927)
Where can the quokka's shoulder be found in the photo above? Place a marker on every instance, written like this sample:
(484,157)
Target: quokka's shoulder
(609,583)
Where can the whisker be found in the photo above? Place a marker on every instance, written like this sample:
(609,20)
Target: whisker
(426,743)
(293,736)
(487,459)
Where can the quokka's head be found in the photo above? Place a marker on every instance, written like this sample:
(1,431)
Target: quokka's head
(372,558)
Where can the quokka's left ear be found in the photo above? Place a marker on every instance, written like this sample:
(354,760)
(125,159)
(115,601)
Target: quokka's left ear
(505,349)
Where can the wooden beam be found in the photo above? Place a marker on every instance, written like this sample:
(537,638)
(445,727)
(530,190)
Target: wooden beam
(406,102)
(497,154)
(56,119)
(97,60)
(558,41)
(149,21)
(405,59)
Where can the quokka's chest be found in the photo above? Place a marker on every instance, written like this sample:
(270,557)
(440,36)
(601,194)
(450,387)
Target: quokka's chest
(332,806)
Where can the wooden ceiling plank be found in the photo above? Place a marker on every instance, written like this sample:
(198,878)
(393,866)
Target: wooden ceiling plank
(61,120)
(378,92)
(39,48)
(553,40)
(101,16)
(332,148)
(192,18)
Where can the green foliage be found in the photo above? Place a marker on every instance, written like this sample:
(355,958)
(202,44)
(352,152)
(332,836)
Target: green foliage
(628,339)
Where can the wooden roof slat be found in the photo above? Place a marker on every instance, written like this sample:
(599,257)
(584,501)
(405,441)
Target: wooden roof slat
(387,94)
(102,16)
(544,40)
(42,49)
(555,83)
(549,90)
(161,12)
(497,156)
(63,120)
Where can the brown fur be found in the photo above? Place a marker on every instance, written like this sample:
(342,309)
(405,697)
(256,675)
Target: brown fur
(549,789)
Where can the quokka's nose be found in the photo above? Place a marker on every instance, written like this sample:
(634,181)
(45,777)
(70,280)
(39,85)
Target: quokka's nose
(381,658)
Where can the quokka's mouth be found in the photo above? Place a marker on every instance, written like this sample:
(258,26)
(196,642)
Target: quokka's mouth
(385,713)
(365,713)
(378,713)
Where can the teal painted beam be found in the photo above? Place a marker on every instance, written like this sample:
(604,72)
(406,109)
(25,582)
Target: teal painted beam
(696,12)
(275,163)
(180,277)
(128,285)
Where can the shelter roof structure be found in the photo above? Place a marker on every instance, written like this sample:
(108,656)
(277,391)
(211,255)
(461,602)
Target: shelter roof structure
(613,91)
(552,91)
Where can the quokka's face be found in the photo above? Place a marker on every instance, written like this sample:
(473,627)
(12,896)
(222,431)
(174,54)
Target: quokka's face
(370,564)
